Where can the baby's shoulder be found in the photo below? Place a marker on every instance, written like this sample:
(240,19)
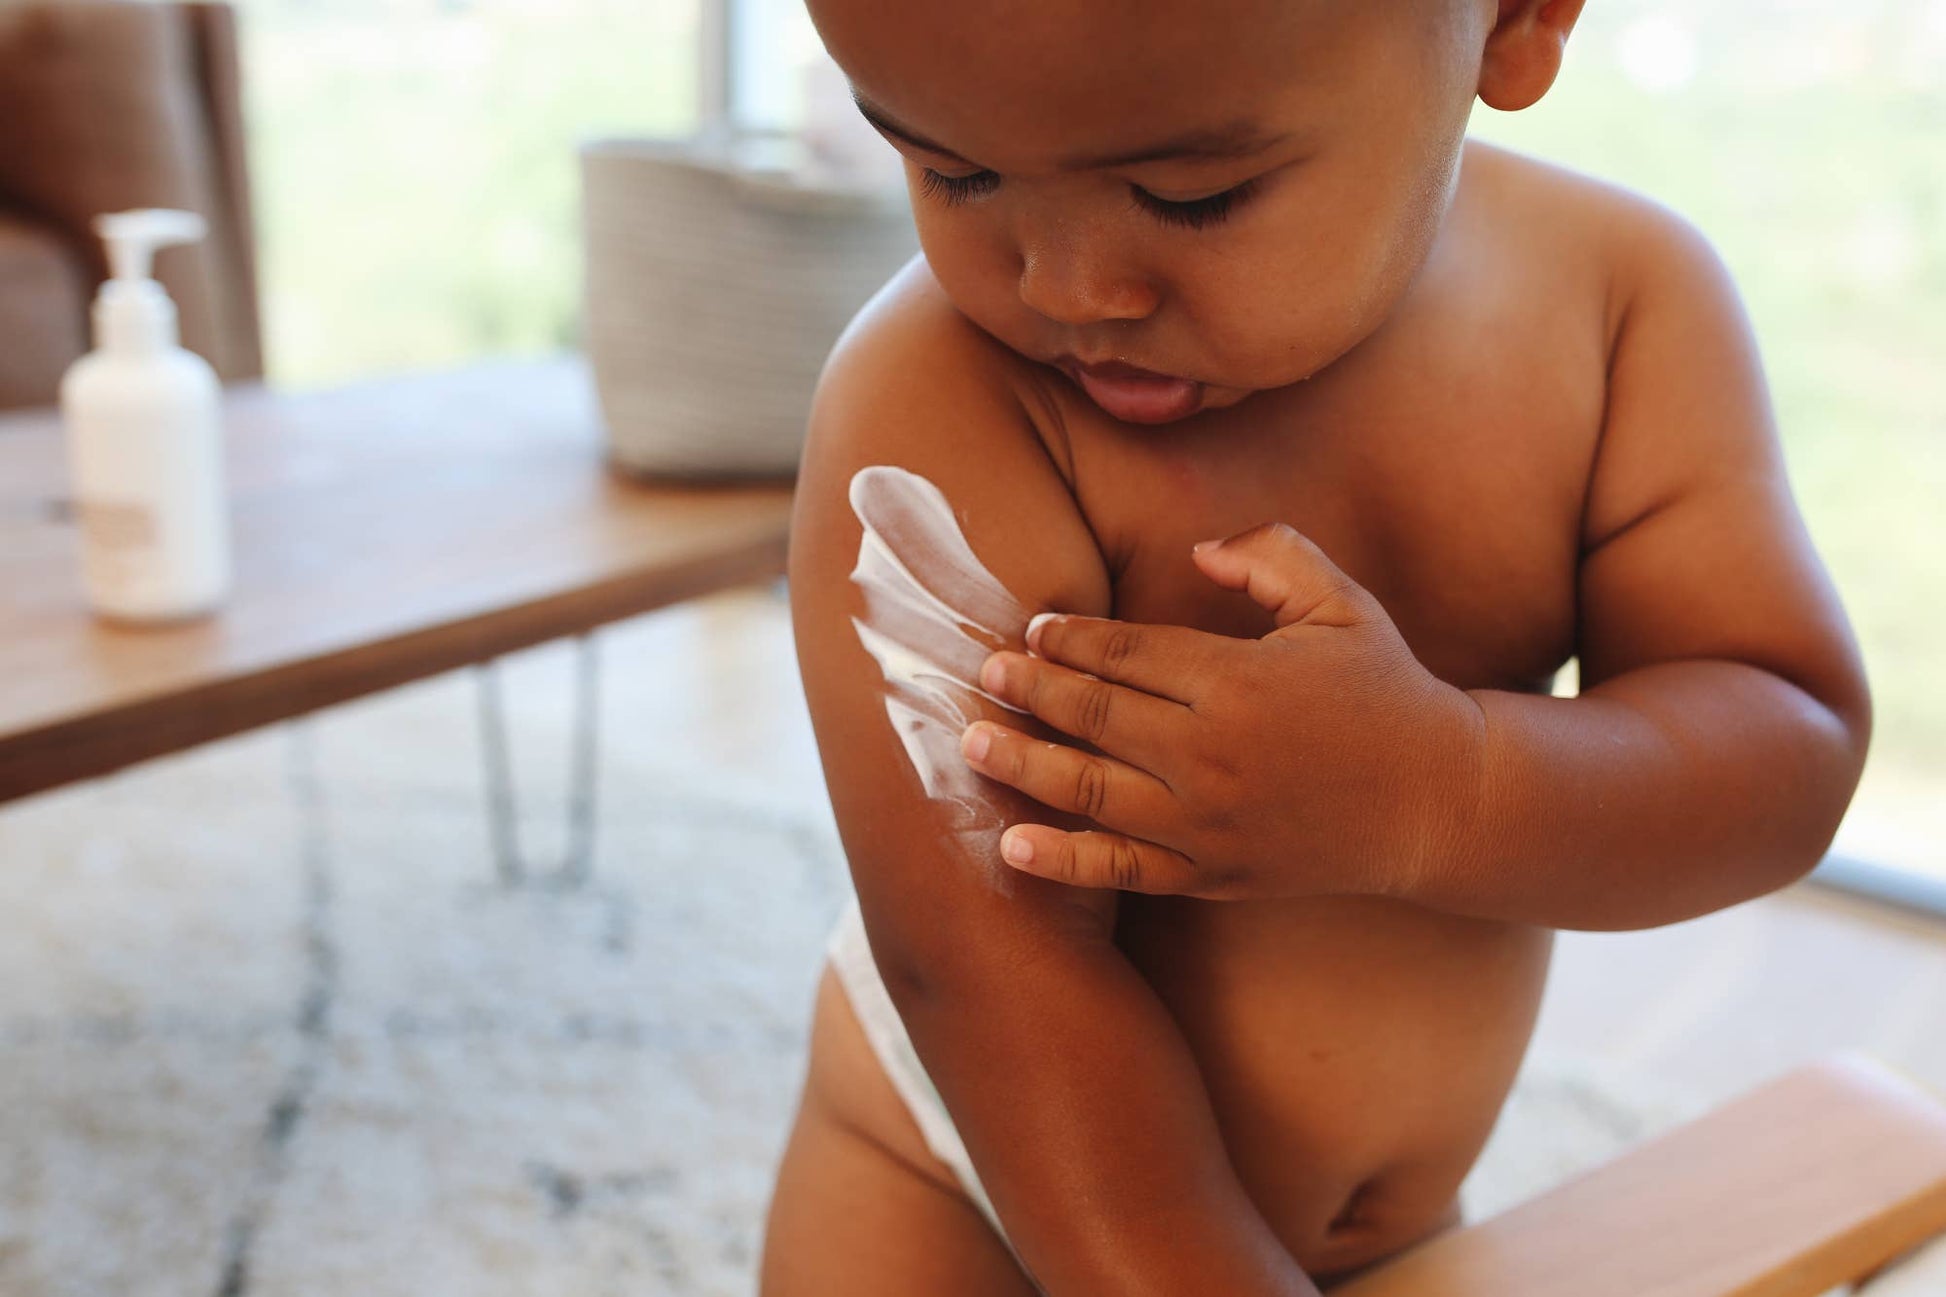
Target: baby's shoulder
(911,329)
(1560,217)
(911,325)
(1686,414)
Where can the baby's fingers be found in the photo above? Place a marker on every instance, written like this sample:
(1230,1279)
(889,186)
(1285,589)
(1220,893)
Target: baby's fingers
(1094,859)
(1112,793)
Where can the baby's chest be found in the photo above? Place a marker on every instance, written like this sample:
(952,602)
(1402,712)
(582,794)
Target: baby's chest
(1462,516)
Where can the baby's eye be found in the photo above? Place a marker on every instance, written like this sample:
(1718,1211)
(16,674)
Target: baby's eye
(1200,212)
(956,189)
(953,190)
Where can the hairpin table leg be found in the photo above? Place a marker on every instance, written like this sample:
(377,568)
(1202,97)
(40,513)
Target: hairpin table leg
(502,811)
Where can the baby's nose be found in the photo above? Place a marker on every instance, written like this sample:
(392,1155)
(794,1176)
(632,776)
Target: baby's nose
(1079,285)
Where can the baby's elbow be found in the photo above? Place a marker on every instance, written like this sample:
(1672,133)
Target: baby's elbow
(1836,724)
(1854,712)
(911,980)
(989,947)
(924,978)
(1844,729)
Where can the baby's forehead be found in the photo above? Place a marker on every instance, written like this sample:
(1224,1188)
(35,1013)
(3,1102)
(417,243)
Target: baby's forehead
(992,78)
(1076,40)
(1035,82)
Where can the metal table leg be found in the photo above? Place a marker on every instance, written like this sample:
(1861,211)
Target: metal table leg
(502,811)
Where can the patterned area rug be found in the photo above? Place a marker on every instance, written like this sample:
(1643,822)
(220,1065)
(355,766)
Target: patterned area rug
(270,1023)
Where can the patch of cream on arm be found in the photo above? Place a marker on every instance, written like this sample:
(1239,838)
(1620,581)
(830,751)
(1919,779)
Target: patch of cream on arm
(933,613)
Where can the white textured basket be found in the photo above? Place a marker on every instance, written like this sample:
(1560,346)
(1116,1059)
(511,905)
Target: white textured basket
(716,278)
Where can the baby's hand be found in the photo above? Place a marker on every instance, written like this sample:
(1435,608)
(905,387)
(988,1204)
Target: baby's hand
(1322,759)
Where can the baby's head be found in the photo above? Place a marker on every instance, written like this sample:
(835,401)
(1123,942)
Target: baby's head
(1315,144)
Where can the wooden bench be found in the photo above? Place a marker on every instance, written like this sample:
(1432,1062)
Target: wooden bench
(1813,1180)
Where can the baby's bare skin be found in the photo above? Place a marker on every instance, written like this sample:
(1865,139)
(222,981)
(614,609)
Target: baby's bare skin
(1358,1049)
(1446,451)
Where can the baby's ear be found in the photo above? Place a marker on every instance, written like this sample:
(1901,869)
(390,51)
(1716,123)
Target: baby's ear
(1523,52)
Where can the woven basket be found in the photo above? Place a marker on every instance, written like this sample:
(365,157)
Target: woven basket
(716,278)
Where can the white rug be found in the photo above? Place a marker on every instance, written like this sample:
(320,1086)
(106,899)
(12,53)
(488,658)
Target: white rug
(270,1026)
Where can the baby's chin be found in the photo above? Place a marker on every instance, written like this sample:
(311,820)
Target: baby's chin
(1214,397)
(1222,398)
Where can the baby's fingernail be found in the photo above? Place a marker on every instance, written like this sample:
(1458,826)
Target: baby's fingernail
(975,743)
(1202,545)
(1016,848)
(993,674)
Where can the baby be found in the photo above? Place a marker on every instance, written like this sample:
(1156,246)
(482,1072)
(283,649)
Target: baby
(1305,814)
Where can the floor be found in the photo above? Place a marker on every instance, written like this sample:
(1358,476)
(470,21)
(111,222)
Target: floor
(1719,1002)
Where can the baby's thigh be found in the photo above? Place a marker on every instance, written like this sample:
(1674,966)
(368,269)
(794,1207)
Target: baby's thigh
(851,1217)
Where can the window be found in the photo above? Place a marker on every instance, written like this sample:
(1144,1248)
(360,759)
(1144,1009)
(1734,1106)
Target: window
(415,174)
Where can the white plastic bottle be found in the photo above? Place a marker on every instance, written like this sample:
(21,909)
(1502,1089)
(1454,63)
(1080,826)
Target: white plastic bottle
(144,438)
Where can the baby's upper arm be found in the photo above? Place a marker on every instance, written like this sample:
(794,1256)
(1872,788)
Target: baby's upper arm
(1692,545)
(917,438)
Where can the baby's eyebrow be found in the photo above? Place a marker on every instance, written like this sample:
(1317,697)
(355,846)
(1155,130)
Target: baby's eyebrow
(1235,139)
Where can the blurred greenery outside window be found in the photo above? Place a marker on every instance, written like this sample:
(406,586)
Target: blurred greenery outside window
(418,199)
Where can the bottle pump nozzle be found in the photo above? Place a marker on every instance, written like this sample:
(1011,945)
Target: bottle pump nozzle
(131,309)
(133,237)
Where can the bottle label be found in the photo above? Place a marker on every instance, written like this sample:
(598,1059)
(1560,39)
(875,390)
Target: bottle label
(116,524)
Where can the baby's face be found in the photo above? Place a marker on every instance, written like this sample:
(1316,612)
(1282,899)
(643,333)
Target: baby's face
(1333,134)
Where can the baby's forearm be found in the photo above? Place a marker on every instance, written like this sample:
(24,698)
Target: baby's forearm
(1661,794)
(1090,1126)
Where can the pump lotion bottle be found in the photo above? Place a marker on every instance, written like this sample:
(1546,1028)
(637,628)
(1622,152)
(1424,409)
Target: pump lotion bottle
(144,440)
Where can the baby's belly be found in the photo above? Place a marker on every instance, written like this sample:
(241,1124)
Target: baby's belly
(1357,1052)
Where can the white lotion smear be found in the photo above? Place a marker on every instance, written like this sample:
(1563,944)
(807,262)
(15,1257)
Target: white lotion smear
(934,612)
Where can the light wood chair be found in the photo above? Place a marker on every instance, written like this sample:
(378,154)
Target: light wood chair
(1820,1178)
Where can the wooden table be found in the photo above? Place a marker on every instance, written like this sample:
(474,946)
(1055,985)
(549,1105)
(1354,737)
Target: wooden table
(380,533)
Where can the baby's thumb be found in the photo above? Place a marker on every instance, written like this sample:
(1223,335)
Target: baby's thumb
(1281,569)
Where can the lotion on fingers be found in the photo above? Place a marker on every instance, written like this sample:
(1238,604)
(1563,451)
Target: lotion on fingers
(144,441)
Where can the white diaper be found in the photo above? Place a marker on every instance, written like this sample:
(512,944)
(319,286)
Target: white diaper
(851,958)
